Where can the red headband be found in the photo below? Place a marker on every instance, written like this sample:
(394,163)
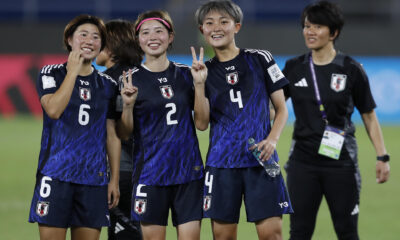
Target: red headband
(154,18)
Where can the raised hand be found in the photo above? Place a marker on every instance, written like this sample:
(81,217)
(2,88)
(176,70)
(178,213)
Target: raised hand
(199,69)
(128,92)
(75,62)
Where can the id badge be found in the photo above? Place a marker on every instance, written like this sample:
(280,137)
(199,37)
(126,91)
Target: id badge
(332,142)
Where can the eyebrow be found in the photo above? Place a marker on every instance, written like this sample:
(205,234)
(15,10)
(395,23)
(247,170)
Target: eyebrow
(222,17)
(86,31)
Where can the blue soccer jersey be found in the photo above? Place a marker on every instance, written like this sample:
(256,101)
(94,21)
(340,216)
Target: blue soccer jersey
(239,91)
(73,147)
(166,147)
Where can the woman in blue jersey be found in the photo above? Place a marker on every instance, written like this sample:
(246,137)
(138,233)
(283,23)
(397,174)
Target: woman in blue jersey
(235,102)
(158,103)
(325,85)
(72,187)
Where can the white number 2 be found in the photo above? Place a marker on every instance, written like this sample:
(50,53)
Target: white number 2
(237,99)
(83,117)
(45,188)
(170,112)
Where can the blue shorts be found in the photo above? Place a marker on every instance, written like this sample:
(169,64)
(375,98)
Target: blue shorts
(264,196)
(64,204)
(151,204)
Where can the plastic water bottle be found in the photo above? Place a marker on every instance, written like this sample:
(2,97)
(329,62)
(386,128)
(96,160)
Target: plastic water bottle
(271,167)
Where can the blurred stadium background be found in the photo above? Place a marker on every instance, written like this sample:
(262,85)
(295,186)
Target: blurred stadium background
(32,33)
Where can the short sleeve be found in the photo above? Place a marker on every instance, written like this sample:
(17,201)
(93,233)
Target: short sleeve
(274,77)
(362,95)
(286,70)
(47,83)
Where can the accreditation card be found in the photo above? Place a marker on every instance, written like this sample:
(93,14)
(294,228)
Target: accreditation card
(332,142)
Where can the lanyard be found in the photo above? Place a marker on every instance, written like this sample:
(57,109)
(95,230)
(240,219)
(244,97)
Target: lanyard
(317,95)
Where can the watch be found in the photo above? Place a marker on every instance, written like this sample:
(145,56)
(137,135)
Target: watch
(383,158)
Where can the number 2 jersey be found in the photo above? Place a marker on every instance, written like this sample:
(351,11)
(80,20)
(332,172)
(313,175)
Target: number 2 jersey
(239,92)
(166,147)
(73,147)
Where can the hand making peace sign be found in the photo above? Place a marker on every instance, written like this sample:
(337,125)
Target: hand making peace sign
(199,69)
(128,92)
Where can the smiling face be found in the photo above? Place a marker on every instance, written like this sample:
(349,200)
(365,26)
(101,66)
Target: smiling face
(219,29)
(86,40)
(154,38)
(317,36)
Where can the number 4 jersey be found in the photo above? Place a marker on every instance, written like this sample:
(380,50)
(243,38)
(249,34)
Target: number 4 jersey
(166,147)
(73,147)
(239,92)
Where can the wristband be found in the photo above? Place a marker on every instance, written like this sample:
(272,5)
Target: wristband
(383,158)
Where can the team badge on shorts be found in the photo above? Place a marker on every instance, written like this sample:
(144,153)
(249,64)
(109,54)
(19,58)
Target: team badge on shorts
(84,93)
(140,206)
(338,82)
(207,203)
(232,78)
(166,91)
(42,208)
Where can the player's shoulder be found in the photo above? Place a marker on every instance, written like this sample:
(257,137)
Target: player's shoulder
(264,55)
(107,77)
(297,59)
(52,69)
(180,67)
(349,64)
(294,62)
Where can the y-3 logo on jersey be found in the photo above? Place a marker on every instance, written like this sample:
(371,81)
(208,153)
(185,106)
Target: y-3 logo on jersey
(86,83)
(162,80)
(166,91)
(232,78)
(230,68)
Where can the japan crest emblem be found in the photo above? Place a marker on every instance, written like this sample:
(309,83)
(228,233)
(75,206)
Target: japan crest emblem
(206,203)
(338,82)
(166,91)
(140,206)
(85,94)
(42,208)
(232,78)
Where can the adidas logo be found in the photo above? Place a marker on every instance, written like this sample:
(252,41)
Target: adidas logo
(301,83)
(118,228)
(356,210)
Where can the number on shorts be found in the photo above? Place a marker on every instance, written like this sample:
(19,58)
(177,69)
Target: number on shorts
(139,193)
(170,112)
(208,181)
(237,99)
(45,188)
(83,117)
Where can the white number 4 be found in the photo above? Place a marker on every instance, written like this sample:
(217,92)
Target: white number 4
(208,180)
(237,99)
(45,188)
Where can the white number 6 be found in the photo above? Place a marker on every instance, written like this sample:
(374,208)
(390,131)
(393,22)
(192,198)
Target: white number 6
(45,188)
(83,117)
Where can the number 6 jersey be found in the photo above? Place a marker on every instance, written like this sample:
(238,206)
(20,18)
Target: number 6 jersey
(166,147)
(239,92)
(73,147)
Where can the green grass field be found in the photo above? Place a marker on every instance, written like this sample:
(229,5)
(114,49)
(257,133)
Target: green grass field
(19,149)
